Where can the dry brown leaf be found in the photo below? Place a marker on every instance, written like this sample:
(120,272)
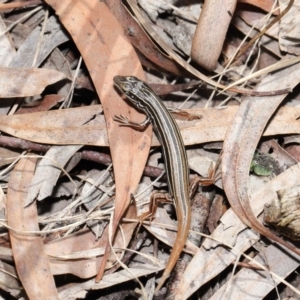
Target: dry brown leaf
(281,155)
(87,21)
(7,157)
(207,44)
(58,127)
(20,82)
(167,236)
(172,53)
(53,126)
(7,51)
(266,41)
(257,20)
(149,29)
(259,284)
(82,243)
(211,260)
(266,5)
(19,4)
(100,40)
(45,104)
(48,171)
(108,281)
(289,29)
(241,141)
(30,258)
(8,279)
(215,213)
(26,53)
(135,35)
(294,151)
(46,44)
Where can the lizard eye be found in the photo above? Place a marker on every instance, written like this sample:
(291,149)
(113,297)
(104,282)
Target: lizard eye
(126,87)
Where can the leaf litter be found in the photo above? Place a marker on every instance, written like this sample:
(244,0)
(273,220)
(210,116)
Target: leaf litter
(68,170)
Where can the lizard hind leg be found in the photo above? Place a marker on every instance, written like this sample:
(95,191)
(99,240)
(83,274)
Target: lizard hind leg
(155,198)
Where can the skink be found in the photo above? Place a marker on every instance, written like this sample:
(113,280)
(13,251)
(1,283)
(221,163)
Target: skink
(177,170)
